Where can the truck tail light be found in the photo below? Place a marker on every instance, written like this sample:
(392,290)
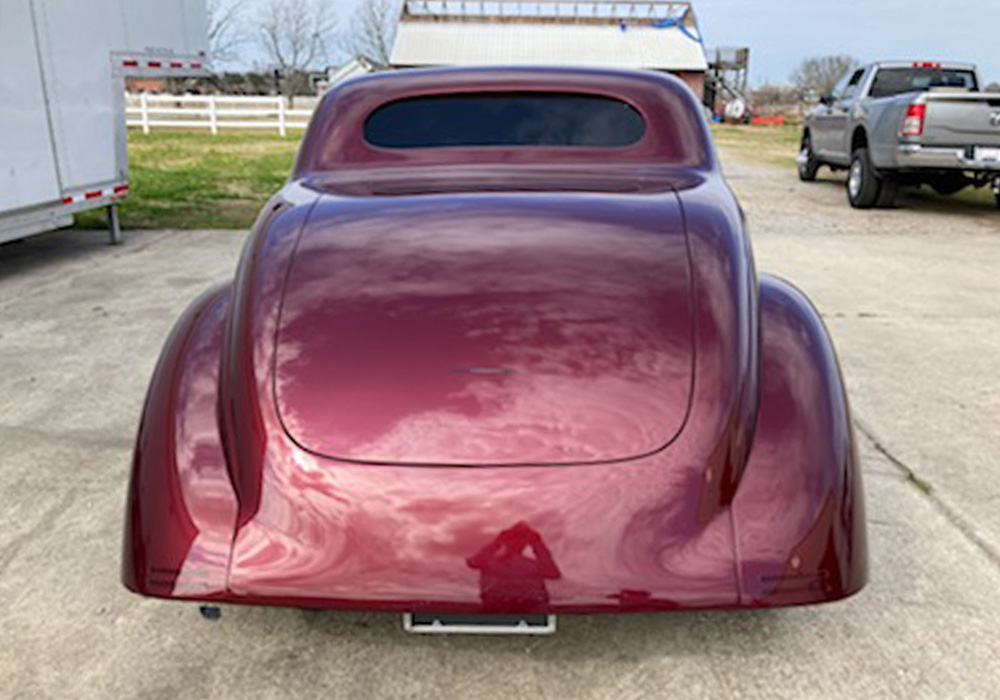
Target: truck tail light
(913,122)
(926,64)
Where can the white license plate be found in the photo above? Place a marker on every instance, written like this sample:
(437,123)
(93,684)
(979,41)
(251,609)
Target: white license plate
(988,155)
(430,623)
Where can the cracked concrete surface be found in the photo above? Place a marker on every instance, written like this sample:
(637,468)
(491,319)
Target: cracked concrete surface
(911,296)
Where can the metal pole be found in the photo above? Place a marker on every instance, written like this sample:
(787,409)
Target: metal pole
(114,225)
(282,129)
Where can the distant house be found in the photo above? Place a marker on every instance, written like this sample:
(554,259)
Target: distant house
(355,67)
(645,35)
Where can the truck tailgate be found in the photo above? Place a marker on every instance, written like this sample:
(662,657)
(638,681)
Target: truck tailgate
(967,119)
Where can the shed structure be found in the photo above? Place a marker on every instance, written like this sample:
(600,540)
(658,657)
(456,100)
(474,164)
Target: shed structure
(635,34)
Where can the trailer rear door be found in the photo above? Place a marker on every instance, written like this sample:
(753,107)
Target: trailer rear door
(28,174)
(77,40)
(76,59)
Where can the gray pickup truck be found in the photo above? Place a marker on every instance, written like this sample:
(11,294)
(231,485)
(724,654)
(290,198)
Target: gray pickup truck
(905,124)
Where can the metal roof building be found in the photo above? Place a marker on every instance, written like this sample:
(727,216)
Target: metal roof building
(637,34)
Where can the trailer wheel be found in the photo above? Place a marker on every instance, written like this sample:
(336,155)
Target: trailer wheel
(996,190)
(863,185)
(808,163)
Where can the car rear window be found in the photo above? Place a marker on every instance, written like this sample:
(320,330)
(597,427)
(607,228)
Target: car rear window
(505,119)
(895,81)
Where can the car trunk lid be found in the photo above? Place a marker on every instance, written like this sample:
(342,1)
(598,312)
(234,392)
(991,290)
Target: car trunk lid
(487,329)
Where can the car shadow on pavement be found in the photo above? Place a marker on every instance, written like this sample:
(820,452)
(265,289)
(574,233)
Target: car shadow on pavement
(614,637)
(926,199)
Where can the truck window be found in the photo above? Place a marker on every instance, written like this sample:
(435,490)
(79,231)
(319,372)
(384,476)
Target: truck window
(851,91)
(504,119)
(896,81)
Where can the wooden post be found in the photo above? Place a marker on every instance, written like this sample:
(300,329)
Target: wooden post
(213,119)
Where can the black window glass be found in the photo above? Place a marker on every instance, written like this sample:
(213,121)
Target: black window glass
(505,119)
(895,81)
(852,86)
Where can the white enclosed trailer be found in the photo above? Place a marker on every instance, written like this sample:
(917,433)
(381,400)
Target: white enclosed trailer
(63,64)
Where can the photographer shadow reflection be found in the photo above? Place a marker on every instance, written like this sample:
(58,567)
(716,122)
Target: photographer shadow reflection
(513,569)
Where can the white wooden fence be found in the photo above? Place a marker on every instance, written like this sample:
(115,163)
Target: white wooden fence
(216,112)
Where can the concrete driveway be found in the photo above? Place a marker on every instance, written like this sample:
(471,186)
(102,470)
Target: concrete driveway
(911,296)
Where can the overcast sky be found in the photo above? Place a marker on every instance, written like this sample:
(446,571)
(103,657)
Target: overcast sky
(781,33)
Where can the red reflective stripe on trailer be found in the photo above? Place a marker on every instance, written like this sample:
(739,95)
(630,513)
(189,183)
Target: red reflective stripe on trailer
(67,200)
(154,64)
(93,195)
(196,66)
(121,188)
(130,63)
(176,64)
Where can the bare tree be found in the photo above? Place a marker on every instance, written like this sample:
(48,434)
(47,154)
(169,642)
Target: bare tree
(225,30)
(822,73)
(775,95)
(993,87)
(295,34)
(372,29)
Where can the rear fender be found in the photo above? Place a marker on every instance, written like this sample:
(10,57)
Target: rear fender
(799,512)
(181,510)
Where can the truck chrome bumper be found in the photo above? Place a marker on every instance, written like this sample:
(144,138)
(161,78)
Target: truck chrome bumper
(941,158)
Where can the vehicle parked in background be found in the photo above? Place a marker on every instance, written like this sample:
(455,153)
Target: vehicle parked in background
(63,64)
(499,348)
(905,124)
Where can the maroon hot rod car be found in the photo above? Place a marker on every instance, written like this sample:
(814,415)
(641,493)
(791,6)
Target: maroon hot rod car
(499,348)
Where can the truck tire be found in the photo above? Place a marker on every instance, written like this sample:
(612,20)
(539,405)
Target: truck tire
(887,193)
(863,184)
(808,163)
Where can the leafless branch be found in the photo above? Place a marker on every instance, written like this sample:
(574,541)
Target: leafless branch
(225,30)
(372,29)
(823,72)
(295,34)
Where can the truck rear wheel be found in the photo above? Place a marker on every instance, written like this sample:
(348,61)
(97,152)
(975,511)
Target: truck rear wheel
(863,184)
(887,192)
(808,163)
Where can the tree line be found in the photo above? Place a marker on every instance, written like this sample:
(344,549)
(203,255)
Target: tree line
(295,37)
(817,76)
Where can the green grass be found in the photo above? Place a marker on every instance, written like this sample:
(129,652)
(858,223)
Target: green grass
(771,145)
(184,180)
